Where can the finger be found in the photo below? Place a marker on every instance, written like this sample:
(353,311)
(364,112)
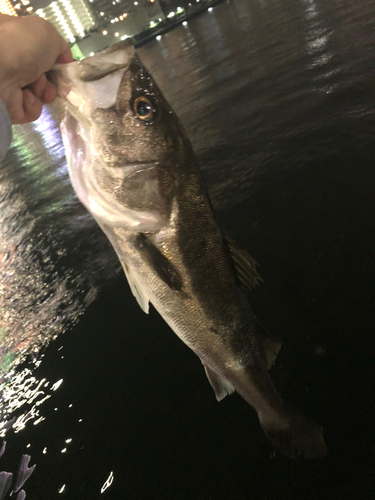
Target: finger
(49,93)
(38,86)
(32,106)
(65,57)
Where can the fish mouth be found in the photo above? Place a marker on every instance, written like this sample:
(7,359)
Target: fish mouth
(101,203)
(80,83)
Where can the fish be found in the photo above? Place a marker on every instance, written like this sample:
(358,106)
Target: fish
(132,166)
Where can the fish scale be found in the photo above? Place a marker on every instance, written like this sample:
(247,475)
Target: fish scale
(132,166)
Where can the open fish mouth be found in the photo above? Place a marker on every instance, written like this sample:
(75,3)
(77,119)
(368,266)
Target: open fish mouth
(92,82)
(87,86)
(98,192)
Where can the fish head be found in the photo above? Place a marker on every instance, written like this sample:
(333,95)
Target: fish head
(125,146)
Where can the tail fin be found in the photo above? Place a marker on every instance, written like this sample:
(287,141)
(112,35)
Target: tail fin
(302,438)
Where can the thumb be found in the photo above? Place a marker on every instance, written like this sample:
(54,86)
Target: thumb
(65,57)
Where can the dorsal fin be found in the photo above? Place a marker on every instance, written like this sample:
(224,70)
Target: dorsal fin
(244,264)
(247,274)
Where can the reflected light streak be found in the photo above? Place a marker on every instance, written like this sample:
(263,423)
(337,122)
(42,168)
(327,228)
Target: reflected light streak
(317,43)
(62,489)
(108,482)
(40,419)
(22,390)
(318,36)
(311,10)
(57,384)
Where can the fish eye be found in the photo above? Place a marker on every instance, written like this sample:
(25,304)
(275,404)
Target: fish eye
(142,108)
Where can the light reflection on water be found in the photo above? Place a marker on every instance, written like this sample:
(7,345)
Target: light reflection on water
(39,297)
(253,100)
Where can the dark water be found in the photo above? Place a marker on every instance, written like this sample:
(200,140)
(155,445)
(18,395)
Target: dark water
(278,99)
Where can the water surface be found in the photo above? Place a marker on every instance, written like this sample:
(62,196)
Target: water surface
(278,101)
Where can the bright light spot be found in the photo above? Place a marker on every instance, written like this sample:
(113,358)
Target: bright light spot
(158,37)
(55,409)
(70,405)
(68,440)
(40,419)
(135,3)
(92,53)
(108,483)
(125,15)
(29,9)
(124,37)
(57,384)
(184,23)
(179,9)
(159,19)
(102,13)
(209,9)
(116,19)
(44,451)
(72,39)
(112,21)
(63,451)
(121,18)
(80,420)
(152,24)
(28,446)
(104,32)
(61,490)
(171,14)
(117,34)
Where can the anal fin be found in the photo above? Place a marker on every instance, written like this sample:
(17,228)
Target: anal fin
(220,386)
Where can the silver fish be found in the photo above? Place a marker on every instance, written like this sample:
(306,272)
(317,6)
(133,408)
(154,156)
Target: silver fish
(132,166)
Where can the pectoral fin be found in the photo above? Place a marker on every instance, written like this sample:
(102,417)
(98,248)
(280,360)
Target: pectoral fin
(221,386)
(136,287)
(159,262)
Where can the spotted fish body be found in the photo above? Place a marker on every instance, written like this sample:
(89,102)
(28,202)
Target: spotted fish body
(132,166)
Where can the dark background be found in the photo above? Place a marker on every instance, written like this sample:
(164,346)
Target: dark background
(278,100)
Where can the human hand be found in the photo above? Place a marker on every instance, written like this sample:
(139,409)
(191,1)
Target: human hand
(29,46)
